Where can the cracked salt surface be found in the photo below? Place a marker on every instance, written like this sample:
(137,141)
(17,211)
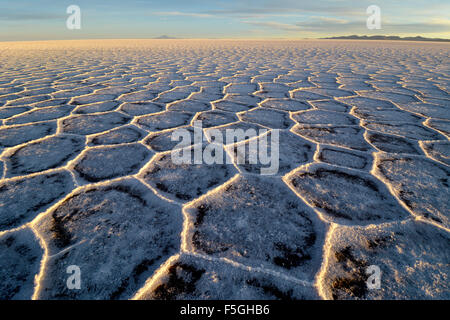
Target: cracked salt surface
(86,177)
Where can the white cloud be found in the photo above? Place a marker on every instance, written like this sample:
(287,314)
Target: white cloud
(331,20)
(184,14)
(274,25)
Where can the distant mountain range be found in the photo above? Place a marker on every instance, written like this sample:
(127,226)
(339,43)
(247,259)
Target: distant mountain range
(417,38)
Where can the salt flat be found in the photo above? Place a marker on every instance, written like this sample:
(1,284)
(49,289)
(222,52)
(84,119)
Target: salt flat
(86,179)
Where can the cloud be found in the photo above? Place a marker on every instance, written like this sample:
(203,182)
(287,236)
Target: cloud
(440,21)
(184,14)
(274,25)
(287,7)
(330,17)
(27,16)
(335,26)
(331,25)
(417,27)
(266,8)
(331,20)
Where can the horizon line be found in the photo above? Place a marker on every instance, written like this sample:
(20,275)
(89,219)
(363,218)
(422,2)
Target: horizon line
(341,38)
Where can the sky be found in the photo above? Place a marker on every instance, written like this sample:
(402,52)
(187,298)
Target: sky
(244,19)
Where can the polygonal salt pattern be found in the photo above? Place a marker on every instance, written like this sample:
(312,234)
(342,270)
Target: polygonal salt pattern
(190,106)
(386,115)
(137,96)
(122,232)
(14,135)
(40,114)
(390,96)
(170,139)
(230,106)
(240,88)
(427,110)
(124,134)
(428,197)
(44,154)
(86,177)
(285,104)
(392,143)
(186,181)
(367,103)
(269,118)
(344,157)
(442,126)
(164,120)
(412,256)
(344,196)
(96,107)
(330,105)
(331,92)
(305,95)
(323,117)
(215,118)
(256,229)
(193,278)
(246,99)
(93,123)
(437,150)
(207,94)
(24,101)
(341,136)
(91,98)
(12,111)
(407,130)
(140,108)
(237,131)
(20,260)
(178,93)
(108,162)
(284,152)
(36,193)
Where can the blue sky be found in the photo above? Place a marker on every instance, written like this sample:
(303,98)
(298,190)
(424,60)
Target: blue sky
(46,20)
